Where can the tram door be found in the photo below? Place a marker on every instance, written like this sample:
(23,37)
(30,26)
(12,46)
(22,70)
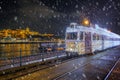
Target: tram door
(88,42)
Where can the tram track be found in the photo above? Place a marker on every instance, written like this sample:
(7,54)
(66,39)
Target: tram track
(107,76)
(70,72)
(58,77)
(36,68)
(40,67)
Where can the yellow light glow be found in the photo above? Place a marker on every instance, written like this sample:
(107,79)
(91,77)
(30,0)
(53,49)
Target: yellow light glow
(86,22)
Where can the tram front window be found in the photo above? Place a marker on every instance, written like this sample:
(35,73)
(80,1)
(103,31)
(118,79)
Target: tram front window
(72,35)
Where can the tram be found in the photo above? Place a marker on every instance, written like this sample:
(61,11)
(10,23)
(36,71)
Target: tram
(88,40)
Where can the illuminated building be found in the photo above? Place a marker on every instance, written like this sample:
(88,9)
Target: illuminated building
(20,33)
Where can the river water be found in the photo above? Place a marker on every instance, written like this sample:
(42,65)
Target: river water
(14,50)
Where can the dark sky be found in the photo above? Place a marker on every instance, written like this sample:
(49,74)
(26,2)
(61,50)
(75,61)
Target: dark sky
(53,16)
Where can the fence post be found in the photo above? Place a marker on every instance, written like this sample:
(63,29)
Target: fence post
(13,55)
(20,58)
(58,46)
(42,54)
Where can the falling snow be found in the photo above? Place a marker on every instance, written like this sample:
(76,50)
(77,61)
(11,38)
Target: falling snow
(56,15)
(69,73)
(97,3)
(3,72)
(76,6)
(104,8)
(98,78)
(84,75)
(15,18)
(118,23)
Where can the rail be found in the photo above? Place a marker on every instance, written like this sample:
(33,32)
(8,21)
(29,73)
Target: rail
(28,42)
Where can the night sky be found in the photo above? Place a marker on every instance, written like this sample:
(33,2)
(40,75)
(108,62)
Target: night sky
(53,16)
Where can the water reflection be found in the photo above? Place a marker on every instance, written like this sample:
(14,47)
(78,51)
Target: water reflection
(13,50)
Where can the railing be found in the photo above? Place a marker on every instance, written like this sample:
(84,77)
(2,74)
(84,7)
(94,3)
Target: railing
(19,54)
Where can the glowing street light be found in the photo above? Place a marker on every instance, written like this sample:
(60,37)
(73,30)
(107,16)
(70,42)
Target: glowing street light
(86,22)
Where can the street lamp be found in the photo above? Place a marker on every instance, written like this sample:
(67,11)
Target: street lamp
(86,22)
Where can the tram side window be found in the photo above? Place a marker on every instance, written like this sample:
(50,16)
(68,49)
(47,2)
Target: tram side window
(72,35)
(81,36)
(96,37)
(72,26)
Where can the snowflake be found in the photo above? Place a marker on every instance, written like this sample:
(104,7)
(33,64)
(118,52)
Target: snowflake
(115,7)
(118,4)
(43,4)
(15,18)
(76,67)
(111,23)
(97,3)
(14,1)
(84,75)
(54,16)
(73,64)
(76,6)
(90,4)
(49,26)
(40,3)
(119,23)
(117,18)
(98,77)
(12,66)
(52,11)
(62,31)
(23,23)
(48,77)
(82,7)
(66,4)
(3,72)
(77,12)
(29,74)
(75,76)
(56,65)
(0,7)
(104,8)
(106,14)
(111,0)
(79,64)
(53,6)
(110,6)
(22,77)
(69,73)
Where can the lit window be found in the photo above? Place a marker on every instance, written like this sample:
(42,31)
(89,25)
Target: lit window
(72,35)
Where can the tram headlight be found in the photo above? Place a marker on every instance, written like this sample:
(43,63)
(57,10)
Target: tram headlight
(71,49)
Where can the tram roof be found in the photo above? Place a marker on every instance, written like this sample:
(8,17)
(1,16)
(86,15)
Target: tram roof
(98,30)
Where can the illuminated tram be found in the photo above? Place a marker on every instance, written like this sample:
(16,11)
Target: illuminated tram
(86,40)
